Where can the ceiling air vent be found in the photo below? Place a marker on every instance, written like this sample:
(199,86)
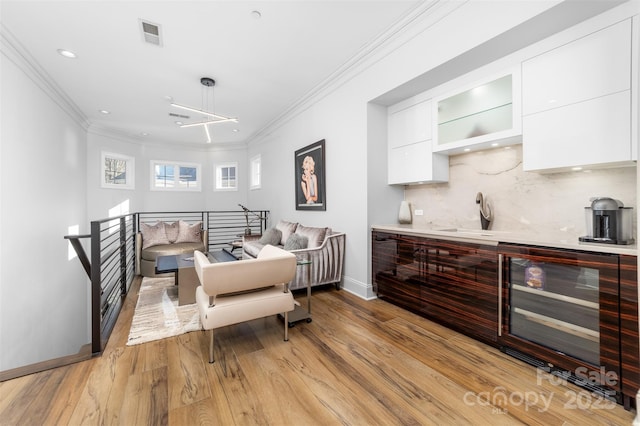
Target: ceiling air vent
(151,32)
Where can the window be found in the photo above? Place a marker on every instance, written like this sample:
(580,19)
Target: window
(118,171)
(226,177)
(254,177)
(173,176)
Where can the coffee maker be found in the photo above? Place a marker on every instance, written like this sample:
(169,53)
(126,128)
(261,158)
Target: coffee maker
(608,221)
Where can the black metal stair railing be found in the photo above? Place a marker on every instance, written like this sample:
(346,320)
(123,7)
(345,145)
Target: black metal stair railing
(110,268)
(111,264)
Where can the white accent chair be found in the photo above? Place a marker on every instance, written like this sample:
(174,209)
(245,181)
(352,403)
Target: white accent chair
(235,292)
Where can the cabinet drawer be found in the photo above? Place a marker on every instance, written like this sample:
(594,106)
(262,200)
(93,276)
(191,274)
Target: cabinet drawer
(596,65)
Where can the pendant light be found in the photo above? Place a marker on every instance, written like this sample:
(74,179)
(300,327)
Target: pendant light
(207,104)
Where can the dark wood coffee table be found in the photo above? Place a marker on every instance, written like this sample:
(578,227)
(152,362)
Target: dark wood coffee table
(185,273)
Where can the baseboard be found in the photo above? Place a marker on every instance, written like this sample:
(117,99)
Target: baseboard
(83,355)
(358,288)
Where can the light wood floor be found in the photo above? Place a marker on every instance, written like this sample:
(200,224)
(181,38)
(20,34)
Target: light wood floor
(357,363)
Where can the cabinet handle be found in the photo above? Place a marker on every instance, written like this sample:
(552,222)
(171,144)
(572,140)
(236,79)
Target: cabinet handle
(500,260)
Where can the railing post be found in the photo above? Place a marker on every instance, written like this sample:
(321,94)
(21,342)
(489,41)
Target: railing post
(123,255)
(96,289)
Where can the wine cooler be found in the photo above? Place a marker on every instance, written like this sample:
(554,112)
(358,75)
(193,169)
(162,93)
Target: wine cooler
(559,312)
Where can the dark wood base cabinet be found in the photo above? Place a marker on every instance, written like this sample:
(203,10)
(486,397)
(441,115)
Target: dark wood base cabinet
(561,307)
(629,337)
(572,313)
(452,283)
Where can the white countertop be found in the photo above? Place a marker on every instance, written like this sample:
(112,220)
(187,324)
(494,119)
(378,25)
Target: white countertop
(491,237)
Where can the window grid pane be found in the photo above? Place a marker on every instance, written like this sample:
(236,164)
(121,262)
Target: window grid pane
(164,176)
(115,171)
(188,177)
(226,177)
(255,172)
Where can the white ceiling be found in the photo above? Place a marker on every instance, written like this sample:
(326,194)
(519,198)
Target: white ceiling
(261,66)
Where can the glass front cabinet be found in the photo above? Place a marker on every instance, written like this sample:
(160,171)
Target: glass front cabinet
(559,312)
(479,115)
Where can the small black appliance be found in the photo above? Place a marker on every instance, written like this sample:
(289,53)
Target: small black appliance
(608,221)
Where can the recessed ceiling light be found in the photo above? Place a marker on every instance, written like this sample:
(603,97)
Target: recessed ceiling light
(575,169)
(144,134)
(105,112)
(467,149)
(255,14)
(236,130)
(168,98)
(67,53)
(179,123)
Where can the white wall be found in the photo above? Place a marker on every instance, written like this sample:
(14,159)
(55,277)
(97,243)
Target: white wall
(50,181)
(142,198)
(341,118)
(379,193)
(43,293)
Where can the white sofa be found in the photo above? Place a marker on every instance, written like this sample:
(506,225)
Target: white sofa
(324,248)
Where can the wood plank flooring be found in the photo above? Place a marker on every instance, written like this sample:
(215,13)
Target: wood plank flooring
(358,363)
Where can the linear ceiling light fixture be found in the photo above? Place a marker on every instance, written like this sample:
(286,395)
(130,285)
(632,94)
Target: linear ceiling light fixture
(212,118)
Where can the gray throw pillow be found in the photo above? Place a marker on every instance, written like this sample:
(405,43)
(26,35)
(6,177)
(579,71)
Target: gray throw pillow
(315,236)
(296,242)
(153,235)
(271,236)
(287,228)
(189,233)
(172,230)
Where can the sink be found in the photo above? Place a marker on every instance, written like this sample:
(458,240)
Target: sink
(479,232)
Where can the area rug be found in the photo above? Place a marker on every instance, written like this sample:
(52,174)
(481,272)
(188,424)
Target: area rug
(158,316)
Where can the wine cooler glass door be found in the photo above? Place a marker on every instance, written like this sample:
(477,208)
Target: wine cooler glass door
(556,306)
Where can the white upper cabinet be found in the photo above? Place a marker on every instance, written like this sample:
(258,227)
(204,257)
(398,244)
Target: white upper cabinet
(479,115)
(415,164)
(410,125)
(577,103)
(410,157)
(592,66)
(578,135)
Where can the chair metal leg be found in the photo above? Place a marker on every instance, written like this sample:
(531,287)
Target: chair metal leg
(286,326)
(211,360)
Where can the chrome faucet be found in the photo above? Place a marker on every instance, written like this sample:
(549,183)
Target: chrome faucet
(486,216)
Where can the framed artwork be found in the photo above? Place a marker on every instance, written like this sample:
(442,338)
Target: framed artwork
(310,177)
(118,171)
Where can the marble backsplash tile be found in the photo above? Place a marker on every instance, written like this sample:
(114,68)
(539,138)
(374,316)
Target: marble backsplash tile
(521,201)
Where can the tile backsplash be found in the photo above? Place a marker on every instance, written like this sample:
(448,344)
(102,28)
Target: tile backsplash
(520,201)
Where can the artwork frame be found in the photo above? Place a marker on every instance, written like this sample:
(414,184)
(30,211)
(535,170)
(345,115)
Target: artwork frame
(309,166)
(117,171)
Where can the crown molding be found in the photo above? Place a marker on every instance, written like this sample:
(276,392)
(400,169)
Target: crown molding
(422,16)
(13,51)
